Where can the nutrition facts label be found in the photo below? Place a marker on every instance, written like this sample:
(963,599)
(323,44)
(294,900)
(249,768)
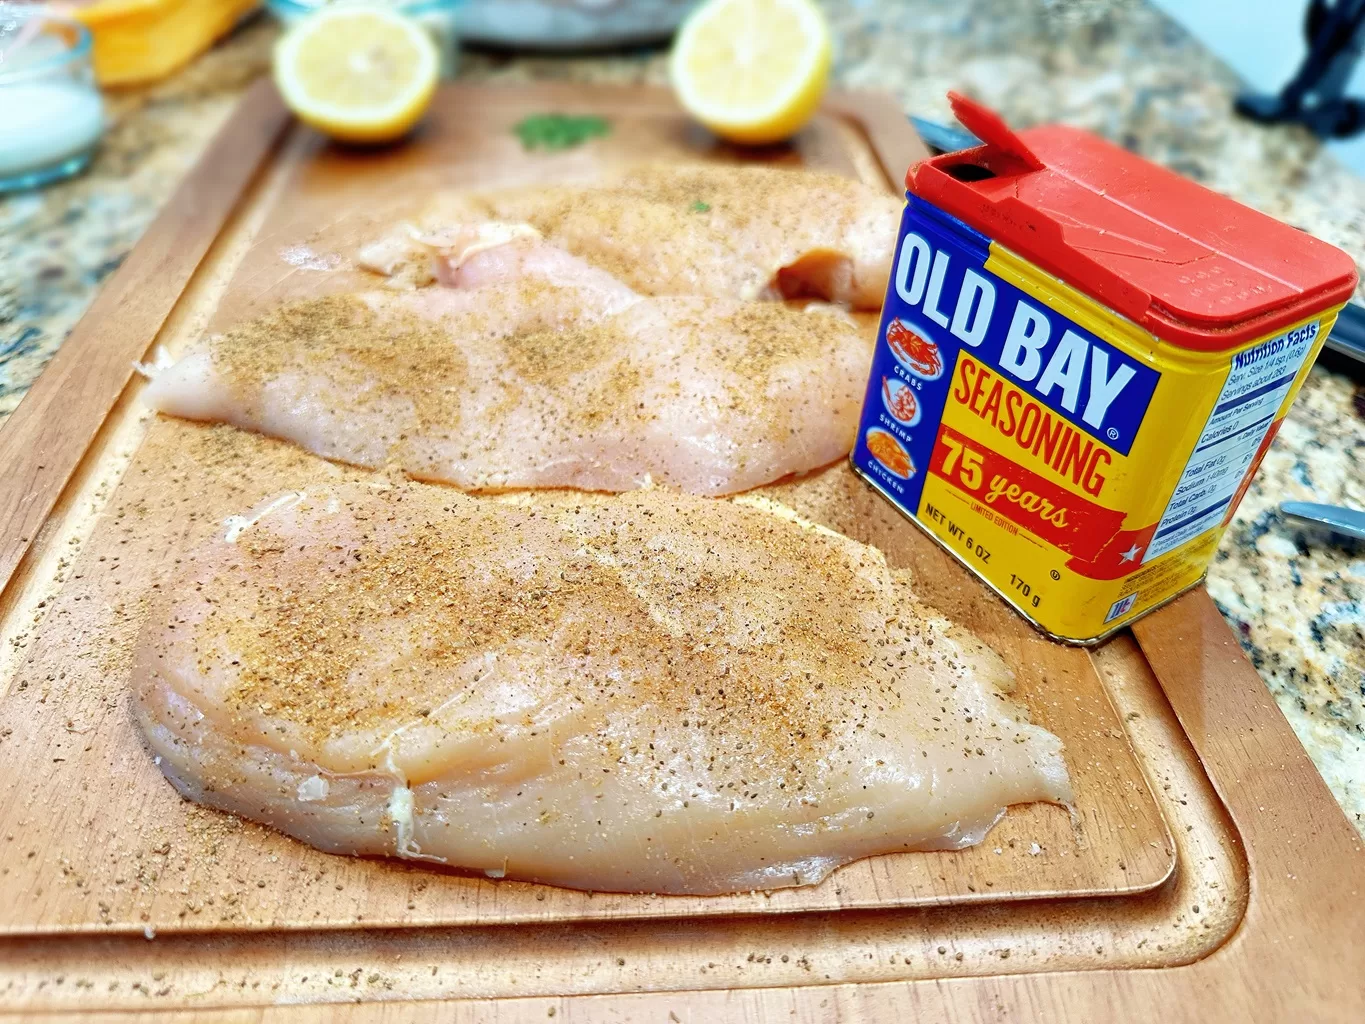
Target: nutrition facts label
(1257,384)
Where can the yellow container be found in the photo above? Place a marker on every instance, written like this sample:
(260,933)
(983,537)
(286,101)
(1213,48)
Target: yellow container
(140,41)
(1082,360)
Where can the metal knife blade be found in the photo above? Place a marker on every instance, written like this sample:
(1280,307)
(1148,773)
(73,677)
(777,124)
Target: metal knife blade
(1347,521)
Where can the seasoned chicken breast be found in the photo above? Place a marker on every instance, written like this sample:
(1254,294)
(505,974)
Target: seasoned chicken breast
(731,232)
(652,692)
(524,382)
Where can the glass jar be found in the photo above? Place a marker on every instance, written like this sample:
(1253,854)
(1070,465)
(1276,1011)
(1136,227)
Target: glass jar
(51,114)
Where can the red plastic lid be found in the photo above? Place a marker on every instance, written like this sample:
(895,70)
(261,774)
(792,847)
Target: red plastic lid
(1191,266)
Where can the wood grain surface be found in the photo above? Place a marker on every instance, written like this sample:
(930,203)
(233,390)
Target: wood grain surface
(125,824)
(49,433)
(120,851)
(1257,921)
(1159,929)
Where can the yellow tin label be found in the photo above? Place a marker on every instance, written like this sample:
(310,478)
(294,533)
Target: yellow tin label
(1083,468)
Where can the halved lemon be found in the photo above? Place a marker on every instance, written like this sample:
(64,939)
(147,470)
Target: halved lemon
(357,73)
(752,71)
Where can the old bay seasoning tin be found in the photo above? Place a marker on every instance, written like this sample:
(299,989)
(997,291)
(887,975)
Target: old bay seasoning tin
(1082,359)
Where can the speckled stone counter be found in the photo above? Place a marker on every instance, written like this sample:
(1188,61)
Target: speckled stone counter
(1118,68)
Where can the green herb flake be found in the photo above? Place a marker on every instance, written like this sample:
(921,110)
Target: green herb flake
(560,131)
(700,207)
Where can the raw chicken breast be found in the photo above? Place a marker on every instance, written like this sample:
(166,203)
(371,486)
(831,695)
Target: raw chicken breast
(652,692)
(736,232)
(476,387)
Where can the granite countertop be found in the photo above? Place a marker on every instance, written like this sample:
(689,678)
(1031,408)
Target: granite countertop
(1119,68)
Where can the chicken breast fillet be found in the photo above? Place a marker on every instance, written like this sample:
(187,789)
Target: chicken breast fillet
(732,232)
(652,692)
(524,383)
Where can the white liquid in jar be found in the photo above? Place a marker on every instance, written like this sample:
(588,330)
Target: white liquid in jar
(45,123)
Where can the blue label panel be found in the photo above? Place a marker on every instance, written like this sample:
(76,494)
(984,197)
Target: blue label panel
(941,301)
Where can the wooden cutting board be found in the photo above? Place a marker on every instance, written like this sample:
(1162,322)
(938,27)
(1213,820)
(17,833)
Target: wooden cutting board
(1178,831)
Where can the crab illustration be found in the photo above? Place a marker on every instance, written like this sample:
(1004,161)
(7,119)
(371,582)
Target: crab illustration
(919,355)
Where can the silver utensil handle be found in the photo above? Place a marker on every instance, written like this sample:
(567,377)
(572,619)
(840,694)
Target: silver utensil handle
(1348,521)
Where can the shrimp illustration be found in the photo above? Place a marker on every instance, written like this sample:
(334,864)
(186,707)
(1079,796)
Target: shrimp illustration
(900,401)
(917,354)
